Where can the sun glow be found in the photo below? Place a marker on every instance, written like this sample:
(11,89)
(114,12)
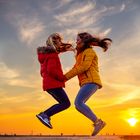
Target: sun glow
(132,121)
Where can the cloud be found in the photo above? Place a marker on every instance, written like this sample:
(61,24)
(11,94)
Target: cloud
(116,94)
(75,12)
(123,61)
(130,96)
(12,77)
(24,101)
(29,30)
(49,6)
(6,72)
(28,27)
(122,8)
(134,111)
(104,33)
(16,99)
(23,83)
(81,17)
(63,3)
(21,102)
(107,31)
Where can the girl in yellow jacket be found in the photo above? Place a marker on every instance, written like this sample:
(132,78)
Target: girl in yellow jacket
(86,68)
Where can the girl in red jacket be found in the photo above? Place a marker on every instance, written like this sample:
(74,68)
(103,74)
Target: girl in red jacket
(52,75)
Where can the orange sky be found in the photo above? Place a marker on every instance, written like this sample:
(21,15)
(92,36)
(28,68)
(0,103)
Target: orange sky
(70,121)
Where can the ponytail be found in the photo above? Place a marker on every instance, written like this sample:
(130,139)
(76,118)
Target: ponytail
(103,43)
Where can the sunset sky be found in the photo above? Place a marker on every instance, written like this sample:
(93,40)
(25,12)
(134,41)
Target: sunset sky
(26,24)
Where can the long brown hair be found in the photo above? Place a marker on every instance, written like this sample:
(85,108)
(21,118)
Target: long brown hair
(89,41)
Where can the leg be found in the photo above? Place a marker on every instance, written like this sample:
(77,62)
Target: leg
(63,101)
(83,95)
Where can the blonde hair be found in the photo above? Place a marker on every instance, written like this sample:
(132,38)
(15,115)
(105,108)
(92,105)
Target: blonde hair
(50,42)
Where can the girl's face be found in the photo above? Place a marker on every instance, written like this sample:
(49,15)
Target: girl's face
(79,42)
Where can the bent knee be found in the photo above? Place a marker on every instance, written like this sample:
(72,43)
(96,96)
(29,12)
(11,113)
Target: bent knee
(66,104)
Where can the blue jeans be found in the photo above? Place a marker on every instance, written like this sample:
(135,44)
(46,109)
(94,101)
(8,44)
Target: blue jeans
(63,101)
(85,92)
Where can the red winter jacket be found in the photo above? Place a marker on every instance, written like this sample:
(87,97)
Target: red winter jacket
(51,70)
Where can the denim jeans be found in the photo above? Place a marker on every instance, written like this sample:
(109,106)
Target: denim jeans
(63,101)
(85,92)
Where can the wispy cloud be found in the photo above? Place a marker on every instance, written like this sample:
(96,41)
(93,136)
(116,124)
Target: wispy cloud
(24,83)
(116,94)
(6,72)
(20,103)
(29,30)
(54,5)
(122,8)
(104,33)
(16,99)
(85,16)
(130,96)
(74,13)
(12,77)
(107,31)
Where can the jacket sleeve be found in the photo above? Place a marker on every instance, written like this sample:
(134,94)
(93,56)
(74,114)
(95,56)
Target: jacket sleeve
(82,67)
(41,70)
(54,69)
(40,59)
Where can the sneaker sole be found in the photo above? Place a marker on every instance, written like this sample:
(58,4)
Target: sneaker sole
(104,124)
(43,122)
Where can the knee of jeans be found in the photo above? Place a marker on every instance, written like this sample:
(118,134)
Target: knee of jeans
(66,104)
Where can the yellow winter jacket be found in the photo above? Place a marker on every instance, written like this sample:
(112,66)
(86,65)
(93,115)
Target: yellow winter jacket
(86,68)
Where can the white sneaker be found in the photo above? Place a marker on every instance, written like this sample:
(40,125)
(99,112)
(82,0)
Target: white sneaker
(98,126)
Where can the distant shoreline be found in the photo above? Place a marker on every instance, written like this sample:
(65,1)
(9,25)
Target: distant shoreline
(69,137)
(15,135)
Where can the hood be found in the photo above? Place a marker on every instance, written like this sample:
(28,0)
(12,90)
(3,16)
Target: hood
(44,52)
(45,49)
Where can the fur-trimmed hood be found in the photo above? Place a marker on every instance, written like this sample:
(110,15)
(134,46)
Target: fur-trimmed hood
(45,49)
(45,52)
